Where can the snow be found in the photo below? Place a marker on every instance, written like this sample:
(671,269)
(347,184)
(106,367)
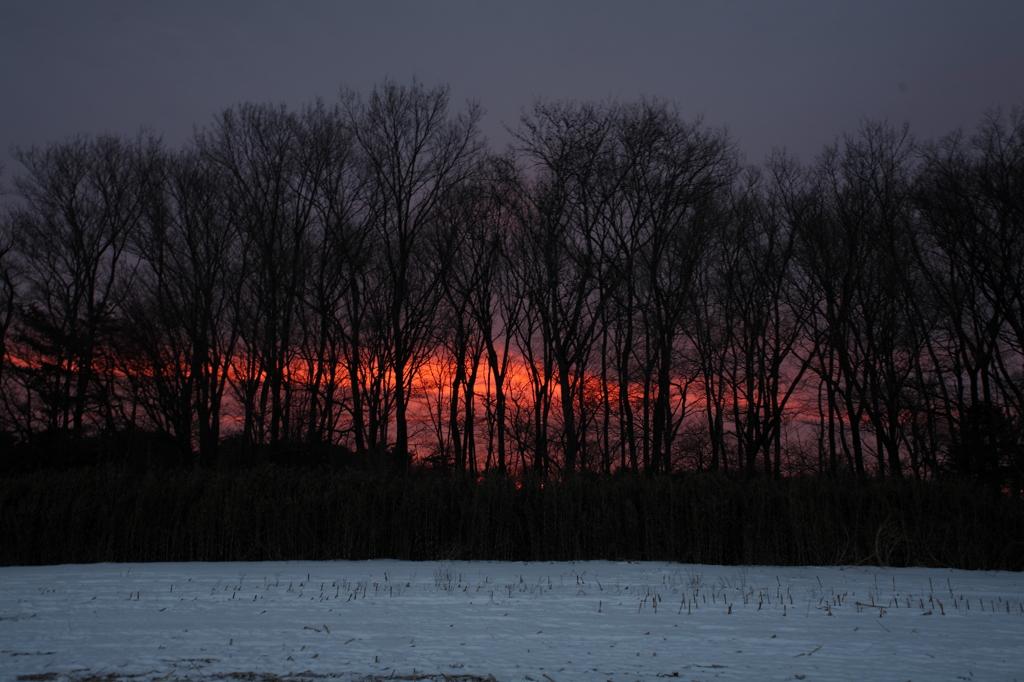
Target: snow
(534,621)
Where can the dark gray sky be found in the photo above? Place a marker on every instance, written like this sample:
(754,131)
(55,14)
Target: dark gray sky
(778,74)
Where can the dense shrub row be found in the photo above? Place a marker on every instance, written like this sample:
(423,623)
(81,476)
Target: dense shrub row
(273,513)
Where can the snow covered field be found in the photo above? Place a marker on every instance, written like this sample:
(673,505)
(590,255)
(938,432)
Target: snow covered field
(537,621)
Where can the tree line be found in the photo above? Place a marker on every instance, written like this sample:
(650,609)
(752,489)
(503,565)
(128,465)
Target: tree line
(616,291)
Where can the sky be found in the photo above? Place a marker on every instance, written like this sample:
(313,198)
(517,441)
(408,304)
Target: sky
(783,74)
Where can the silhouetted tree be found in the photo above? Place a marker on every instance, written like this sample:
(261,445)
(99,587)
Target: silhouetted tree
(81,201)
(180,318)
(973,217)
(414,154)
(677,175)
(771,345)
(571,154)
(10,278)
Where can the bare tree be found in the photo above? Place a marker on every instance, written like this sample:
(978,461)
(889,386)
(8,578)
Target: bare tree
(336,256)
(414,154)
(677,176)
(969,197)
(276,172)
(476,226)
(82,200)
(757,285)
(10,277)
(858,257)
(570,149)
(180,317)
